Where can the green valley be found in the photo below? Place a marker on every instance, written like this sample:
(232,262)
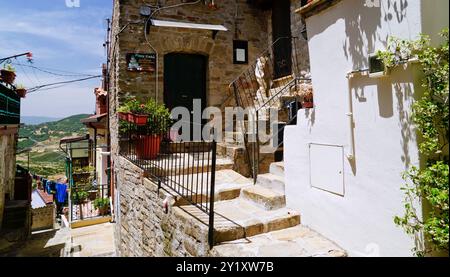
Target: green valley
(40,143)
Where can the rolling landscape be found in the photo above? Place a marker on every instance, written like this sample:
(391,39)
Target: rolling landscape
(41,143)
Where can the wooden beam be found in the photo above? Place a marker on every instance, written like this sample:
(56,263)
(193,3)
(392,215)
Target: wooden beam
(315,7)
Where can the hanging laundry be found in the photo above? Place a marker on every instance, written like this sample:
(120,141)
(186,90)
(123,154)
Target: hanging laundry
(52,187)
(44,183)
(61,192)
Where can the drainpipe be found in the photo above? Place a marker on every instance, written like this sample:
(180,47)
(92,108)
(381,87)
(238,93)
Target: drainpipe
(351,154)
(351,122)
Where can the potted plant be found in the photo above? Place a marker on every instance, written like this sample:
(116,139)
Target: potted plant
(139,112)
(8,74)
(123,112)
(140,115)
(158,123)
(21,91)
(102,204)
(308,97)
(80,196)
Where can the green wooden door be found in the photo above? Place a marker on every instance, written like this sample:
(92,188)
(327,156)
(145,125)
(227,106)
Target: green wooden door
(184,80)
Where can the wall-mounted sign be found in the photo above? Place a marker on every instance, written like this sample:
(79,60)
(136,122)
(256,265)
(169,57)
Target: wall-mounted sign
(141,62)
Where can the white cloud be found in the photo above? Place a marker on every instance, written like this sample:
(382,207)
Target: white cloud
(64,26)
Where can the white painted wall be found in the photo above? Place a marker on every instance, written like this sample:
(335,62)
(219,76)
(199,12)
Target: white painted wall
(340,39)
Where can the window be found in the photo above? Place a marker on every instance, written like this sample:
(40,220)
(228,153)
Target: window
(240,52)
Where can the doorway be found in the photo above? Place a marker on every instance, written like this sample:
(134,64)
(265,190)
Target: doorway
(184,81)
(281,31)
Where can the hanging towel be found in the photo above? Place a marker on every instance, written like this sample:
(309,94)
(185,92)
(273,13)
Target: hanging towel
(61,193)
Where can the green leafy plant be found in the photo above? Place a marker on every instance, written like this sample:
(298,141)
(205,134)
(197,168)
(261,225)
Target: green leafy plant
(430,113)
(159,116)
(80,195)
(159,121)
(101,203)
(123,109)
(9,67)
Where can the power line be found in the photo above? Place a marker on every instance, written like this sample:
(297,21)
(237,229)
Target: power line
(60,83)
(49,71)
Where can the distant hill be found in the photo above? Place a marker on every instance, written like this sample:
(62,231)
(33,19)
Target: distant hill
(45,156)
(35,120)
(52,130)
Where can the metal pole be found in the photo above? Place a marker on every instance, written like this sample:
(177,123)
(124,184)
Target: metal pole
(211,197)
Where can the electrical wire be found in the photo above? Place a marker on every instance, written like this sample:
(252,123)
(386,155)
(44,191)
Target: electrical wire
(54,73)
(26,75)
(60,83)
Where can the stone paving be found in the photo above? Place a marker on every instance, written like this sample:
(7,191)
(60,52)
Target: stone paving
(91,241)
(298,241)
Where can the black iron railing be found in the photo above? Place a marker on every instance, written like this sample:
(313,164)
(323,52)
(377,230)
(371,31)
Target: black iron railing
(89,200)
(186,168)
(261,86)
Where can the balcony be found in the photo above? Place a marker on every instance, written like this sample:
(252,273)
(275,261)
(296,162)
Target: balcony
(9,106)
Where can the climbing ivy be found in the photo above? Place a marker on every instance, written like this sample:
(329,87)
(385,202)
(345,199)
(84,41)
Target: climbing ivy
(430,113)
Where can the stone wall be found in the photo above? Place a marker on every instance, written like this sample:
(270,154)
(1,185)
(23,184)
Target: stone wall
(7,167)
(244,22)
(142,226)
(43,218)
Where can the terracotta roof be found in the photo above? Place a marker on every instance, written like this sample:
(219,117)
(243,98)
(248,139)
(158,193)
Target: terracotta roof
(48,199)
(100,92)
(73,139)
(315,6)
(93,118)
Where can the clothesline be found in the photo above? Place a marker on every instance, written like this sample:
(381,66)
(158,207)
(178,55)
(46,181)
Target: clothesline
(57,189)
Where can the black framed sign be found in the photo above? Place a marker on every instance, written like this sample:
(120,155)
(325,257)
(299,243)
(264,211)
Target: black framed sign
(140,62)
(240,52)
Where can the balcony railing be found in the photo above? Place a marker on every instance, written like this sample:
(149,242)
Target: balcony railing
(186,168)
(9,106)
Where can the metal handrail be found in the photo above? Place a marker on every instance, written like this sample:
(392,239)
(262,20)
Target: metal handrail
(185,168)
(245,93)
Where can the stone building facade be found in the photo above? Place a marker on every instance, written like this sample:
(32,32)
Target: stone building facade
(8,145)
(143,229)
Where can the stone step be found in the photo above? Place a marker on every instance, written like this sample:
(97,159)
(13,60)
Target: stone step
(277,168)
(238,218)
(196,187)
(271,181)
(229,149)
(297,241)
(264,197)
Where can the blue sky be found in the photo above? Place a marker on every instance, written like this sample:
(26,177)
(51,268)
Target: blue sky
(62,38)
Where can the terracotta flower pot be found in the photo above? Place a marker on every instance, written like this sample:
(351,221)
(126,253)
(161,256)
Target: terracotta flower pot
(307,105)
(21,92)
(8,76)
(130,118)
(140,119)
(103,210)
(123,116)
(148,147)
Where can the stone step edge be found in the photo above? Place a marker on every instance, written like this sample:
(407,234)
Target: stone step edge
(260,196)
(223,234)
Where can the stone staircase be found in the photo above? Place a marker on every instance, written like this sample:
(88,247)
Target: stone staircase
(270,150)
(253,220)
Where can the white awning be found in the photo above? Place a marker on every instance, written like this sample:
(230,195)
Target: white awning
(176,24)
